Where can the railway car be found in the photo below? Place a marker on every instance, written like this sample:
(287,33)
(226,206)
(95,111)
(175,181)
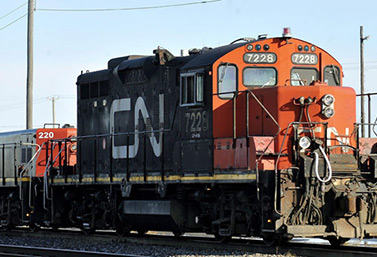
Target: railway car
(255,138)
(25,160)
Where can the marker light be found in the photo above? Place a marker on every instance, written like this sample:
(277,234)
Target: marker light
(266,47)
(328,112)
(306,48)
(312,48)
(249,47)
(300,47)
(258,47)
(287,32)
(328,100)
(304,142)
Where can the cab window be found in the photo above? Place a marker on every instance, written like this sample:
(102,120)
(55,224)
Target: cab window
(332,75)
(192,86)
(227,80)
(259,77)
(303,76)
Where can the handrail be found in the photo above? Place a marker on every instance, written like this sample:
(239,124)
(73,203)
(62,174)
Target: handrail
(49,166)
(369,123)
(268,145)
(24,169)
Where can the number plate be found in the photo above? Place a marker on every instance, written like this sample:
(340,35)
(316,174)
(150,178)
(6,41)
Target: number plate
(308,59)
(260,58)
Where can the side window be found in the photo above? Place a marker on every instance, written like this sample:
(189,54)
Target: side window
(332,75)
(199,87)
(226,80)
(192,89)
(303,76)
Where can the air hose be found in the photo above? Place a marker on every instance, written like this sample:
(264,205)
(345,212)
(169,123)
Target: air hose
(323,180)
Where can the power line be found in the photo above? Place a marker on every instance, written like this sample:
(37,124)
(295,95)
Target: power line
(347,63)
(6,26)
(127,9)
(358,68)
(36,101)
(9,13)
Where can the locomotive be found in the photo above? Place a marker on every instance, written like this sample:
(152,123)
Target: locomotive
(255,138)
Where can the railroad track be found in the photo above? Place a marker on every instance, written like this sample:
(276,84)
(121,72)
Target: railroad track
(189,241)
(23,251)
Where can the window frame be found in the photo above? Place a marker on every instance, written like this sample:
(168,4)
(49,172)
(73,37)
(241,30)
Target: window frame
(324,74)
(302,68)
(260,67)
(194,74)
(221,95)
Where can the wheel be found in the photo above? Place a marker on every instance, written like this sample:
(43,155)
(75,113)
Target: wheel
(178,233)
(142,232)
(88,231)
(221,239)
(270,239)
(122,231)
(337,241)
(6,228)
(34,227)
(55,228)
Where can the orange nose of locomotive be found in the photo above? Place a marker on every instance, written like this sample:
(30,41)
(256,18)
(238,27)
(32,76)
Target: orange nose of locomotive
(317,114)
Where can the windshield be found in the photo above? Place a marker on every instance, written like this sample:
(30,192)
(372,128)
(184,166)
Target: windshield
(259,77)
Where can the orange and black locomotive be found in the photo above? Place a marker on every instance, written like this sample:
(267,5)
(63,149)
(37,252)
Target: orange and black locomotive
(255,138)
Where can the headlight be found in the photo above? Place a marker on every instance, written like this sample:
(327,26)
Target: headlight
(328,112)
(304,142)
(328,100)
(328,109)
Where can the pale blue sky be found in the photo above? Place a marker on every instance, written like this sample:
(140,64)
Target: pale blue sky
(67,42)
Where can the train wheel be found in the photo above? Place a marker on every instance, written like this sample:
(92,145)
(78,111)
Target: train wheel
(178,233)
(34,227)
(6,228)
(221,239)
(334,241)
(142,232)
(270,239)
(123,231)
(88,231)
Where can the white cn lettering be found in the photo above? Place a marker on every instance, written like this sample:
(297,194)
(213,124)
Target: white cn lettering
(341,140)
(124,104)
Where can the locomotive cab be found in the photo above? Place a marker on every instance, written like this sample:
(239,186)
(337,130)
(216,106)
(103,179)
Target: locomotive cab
(284,97)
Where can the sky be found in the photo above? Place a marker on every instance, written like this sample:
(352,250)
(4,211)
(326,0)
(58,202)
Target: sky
(66,43)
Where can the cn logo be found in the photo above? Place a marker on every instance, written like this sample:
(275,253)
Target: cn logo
(124,104)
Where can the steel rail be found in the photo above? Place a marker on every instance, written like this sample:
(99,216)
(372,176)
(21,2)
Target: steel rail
(202,241)
(12,250)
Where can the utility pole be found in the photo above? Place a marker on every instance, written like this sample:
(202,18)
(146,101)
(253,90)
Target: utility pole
(53,100)
(362,39)
(29,79)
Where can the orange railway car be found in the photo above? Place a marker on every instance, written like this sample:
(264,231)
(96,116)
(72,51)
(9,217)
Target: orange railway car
(56,148)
